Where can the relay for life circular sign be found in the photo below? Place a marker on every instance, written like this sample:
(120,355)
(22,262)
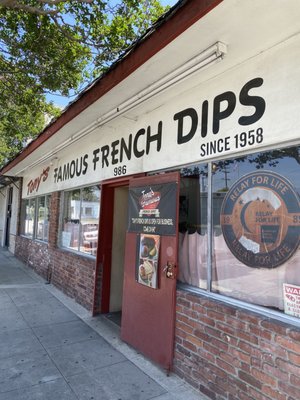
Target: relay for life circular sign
(260,219)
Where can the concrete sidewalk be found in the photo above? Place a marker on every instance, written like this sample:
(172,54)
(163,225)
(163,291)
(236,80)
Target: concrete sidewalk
(51,348)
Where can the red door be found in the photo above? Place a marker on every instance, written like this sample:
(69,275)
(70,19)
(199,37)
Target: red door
(148,309)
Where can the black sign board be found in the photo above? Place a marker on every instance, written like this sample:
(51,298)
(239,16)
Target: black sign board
(153,209)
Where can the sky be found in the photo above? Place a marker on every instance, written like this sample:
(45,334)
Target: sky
(61,101)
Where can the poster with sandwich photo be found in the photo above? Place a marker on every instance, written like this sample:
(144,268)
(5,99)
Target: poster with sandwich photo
(147,260)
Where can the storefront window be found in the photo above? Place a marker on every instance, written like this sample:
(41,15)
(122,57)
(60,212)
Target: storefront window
(255,244)
(28,217)
(193,226)
(255,225)
(35,217)
(42,228)
(81,220)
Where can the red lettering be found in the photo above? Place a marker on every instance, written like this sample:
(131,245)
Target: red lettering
(34,185)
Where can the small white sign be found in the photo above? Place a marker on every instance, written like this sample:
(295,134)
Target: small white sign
(66,239)
(291,296)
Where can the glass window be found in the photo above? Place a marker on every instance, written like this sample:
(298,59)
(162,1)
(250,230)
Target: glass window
(35,217)
(81,209)
(28,217)
(255,223)
(256,238)
(42,227)
(193,226)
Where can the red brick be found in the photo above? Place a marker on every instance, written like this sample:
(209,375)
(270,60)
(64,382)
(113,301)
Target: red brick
(194,340)
(247,337)
(185,303)
(211,349)
(250,379)
(183,327)
(208,392)
(292,391)
(206,355)
(263,377)
(213,332)
(247,317)
(203,375)
(199,308)
(288,343)
(244,396)
(274,326)
(238,383)
(288,367)
(260,332)
(206,320)
(216,315)
(202,335)
(272,348)
(184,319)
(236,323)
(245,367)
(245,347)
(240,355)
(258,395)
(227,386)
(294,358)
(225,366)
(273,394)
(226,356)
(225,328)
(219,344)
(72,274)
(294,334)
(190,346)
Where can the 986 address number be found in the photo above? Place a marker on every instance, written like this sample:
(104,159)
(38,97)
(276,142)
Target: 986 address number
(120,170)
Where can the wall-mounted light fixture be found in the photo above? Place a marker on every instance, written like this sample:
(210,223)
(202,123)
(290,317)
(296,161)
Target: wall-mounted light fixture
(206,58)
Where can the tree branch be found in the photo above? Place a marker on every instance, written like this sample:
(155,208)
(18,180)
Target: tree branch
(14,4)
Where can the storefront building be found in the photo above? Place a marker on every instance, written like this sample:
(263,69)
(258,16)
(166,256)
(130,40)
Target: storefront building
(169,190)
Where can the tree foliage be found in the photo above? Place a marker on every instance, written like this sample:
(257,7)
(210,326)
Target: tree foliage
(49,46)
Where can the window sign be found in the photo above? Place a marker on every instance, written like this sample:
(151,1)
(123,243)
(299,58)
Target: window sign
(153,209)
(291,299)
(260,219)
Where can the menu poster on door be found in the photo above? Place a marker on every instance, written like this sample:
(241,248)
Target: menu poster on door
(147,260)
(291,296)
(152,209)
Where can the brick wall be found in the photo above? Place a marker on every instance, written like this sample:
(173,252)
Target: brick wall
(229,353)
(73,274)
